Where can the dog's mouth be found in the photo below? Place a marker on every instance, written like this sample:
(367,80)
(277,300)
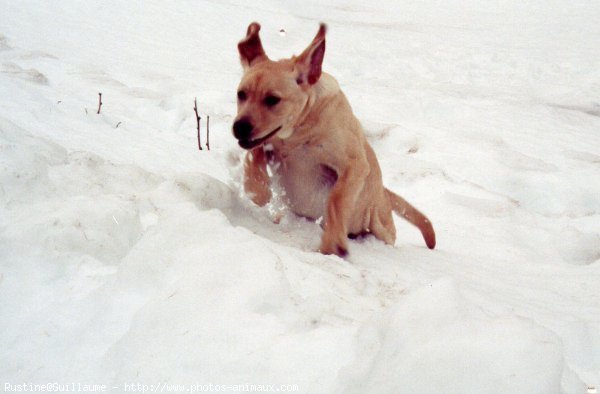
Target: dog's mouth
(249,144)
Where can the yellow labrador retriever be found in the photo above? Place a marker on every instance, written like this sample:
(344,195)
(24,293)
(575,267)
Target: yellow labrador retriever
(295,119)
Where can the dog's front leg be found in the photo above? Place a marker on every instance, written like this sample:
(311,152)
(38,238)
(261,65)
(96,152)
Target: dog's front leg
(340,207)
(256,178)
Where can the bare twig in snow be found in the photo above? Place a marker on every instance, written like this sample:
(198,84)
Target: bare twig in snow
(99,102)
(117,126)
(197,123)
(207,132)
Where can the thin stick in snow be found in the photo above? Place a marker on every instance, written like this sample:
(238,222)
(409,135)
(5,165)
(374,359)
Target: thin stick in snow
(207,132)
(99,102)
(197,124)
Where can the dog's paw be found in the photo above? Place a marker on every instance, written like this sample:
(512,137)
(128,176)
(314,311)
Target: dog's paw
(260,197)
(329,246)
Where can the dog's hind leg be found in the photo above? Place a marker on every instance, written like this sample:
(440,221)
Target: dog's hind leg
(411,214)
(256,178)
(382,226)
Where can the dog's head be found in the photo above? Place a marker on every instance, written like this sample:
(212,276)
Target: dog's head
(273,94)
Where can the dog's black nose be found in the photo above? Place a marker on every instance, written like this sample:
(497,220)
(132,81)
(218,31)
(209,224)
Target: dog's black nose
(242,129)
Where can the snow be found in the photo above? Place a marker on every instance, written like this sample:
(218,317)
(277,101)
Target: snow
(128,256)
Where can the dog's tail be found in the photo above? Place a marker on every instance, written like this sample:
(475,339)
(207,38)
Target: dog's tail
(410,213)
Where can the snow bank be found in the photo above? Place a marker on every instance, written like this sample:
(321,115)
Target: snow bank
(435,341)
(126,255)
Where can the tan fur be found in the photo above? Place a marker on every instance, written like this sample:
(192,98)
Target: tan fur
(317,147)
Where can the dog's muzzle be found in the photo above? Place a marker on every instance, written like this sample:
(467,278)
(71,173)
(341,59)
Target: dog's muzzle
(249,144)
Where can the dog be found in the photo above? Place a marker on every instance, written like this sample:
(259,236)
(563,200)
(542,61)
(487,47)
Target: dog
(295,119)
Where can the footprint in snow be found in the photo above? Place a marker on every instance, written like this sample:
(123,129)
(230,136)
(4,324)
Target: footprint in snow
(31,55)
(4,43)
(592,109)
(30,74)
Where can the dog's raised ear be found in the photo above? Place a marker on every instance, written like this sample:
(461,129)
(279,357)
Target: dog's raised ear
(250,48)
(308,64)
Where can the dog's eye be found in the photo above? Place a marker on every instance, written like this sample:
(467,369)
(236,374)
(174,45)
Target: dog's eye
(241,95)
(271,100)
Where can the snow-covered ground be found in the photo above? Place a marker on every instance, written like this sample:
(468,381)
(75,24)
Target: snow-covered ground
(128,256)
